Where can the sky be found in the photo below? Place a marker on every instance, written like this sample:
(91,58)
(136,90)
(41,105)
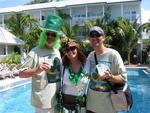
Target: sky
(12,3)
(145,10)
(145,7)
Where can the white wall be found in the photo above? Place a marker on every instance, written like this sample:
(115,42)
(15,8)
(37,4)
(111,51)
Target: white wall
(95,10)
(1,20)
(115,10)
(128,11)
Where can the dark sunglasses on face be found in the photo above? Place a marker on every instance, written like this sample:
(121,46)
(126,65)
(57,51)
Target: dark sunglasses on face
(94,34)
(70,49)
(51,34)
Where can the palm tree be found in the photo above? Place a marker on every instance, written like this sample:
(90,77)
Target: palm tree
(15,24)
(70,31)
(146,26)
(30,24)
(24,27)
(125,35)
(89,23)
(63,15)
(31,37)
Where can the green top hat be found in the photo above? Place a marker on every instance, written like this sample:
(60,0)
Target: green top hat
(53,23)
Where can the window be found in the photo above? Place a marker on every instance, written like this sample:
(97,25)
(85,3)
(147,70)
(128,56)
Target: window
(131,15)
(43,18)
(99,13)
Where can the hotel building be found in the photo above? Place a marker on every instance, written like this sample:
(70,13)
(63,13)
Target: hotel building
(79,10)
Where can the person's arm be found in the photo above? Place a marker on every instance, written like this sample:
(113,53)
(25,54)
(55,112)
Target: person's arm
(34,71)
(116,79)
(87,66)
(121,77)
(28,73)
(119,74)
(112,78)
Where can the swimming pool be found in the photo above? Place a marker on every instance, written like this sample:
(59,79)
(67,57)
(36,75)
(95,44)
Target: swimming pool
(17,100)
(139,81)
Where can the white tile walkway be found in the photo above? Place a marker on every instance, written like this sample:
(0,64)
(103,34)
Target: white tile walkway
(9,83)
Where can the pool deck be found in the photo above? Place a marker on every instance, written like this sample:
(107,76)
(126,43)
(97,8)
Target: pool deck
(8,83)
(138,65)
(10,80)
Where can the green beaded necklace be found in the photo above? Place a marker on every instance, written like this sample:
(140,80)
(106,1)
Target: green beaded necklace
(75,77)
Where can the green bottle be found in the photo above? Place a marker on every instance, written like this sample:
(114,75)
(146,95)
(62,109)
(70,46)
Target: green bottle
(54,74)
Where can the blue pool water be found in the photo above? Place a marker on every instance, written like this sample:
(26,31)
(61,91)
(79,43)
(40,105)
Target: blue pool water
(17,100)
(139,81)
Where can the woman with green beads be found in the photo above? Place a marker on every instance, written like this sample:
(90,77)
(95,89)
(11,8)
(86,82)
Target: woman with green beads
(74,78)
(43,64)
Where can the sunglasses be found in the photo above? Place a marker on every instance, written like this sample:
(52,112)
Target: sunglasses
(70,49)
(51,34)
(94,34)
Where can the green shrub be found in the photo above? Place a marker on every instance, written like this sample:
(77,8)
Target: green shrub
(13,58)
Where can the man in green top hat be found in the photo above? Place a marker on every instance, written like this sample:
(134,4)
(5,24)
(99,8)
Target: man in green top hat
(43,64)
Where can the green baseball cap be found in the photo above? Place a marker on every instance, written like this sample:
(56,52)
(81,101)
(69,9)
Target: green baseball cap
(53,23)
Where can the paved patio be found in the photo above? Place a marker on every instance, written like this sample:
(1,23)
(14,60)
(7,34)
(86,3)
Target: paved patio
(8,83)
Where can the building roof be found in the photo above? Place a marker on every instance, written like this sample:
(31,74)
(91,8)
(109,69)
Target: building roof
(8,38)
(54,4)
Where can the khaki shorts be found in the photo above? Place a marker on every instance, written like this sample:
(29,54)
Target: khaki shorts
(99,102)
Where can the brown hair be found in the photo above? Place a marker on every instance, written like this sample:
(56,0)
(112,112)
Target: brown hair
(81,57)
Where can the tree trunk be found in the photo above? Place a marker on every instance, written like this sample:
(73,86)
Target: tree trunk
(129,53)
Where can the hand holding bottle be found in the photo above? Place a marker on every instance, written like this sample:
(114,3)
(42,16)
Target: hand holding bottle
(43,66)
(48,64)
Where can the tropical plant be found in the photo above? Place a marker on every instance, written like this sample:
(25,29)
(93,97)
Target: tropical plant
(70,31)
(85,46)
(146,26)
(31,37)
(63,15)
(125,35)
(89,23)
(24,27)
(13,58)
(15,24)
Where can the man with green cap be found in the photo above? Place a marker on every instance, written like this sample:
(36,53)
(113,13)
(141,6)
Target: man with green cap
(43,64)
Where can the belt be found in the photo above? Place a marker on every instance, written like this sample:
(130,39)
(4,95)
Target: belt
(53,81)
(100,89)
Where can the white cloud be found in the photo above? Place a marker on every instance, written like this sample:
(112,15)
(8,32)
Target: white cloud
(145,15)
